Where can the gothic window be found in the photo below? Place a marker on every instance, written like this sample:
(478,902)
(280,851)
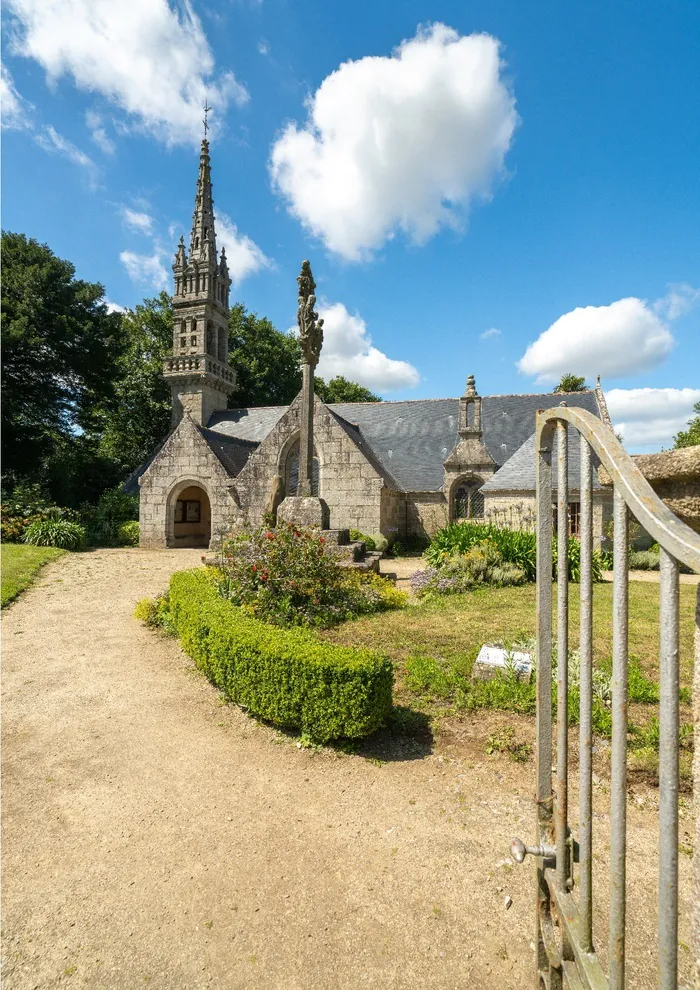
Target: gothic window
(574,516)
(183,341)
(222,344)
(194,340)
(291,480)
(468,501)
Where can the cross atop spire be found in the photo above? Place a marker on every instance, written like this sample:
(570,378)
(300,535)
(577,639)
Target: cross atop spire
(206,111)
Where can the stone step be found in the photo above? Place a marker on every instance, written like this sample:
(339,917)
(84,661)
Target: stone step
(336,537)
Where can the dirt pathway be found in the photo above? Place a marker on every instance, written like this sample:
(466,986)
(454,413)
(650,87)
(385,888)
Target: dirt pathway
(155,837)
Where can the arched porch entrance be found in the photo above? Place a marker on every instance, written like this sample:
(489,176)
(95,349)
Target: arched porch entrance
(189,516)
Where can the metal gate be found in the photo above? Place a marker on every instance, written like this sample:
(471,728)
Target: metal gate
(566,955)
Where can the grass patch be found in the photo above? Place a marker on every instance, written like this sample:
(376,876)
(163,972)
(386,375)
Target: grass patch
(20,565)
(454,627)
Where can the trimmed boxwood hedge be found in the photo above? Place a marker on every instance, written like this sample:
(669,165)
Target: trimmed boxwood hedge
(289,676)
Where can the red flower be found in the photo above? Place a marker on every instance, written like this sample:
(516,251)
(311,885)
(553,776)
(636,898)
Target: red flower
(254,567)
(321,539)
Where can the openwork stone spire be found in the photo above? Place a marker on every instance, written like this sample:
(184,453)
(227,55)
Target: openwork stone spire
(203,237)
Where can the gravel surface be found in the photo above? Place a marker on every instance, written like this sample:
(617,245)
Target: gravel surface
(153,836)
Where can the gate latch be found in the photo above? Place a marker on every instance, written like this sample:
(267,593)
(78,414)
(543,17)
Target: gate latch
(519,851)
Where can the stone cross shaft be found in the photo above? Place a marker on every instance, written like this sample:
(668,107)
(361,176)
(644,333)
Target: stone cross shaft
(311,340)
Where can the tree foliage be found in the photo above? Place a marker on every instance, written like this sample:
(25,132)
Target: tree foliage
(140,417)
(59,349)
(265,359)
(571,383)
(339,389)
(691,436)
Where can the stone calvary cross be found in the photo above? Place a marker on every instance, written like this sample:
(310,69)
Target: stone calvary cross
(311,340)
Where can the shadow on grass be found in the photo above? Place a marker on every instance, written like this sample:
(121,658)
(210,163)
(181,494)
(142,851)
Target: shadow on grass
(408,736)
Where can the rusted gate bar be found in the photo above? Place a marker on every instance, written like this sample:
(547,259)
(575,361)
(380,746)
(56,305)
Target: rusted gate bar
(565,950)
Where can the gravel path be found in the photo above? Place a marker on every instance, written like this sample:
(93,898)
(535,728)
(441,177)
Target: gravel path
(155,837)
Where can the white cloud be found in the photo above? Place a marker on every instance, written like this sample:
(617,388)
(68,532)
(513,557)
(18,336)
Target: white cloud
(398,143)
(142,223)
(243,255)
(150,58)
(491,332)
(113,307)
(145,268)
(348,351)
(678,301)
(53,142)
(263,47)
(98,132)
(14,108)
(618,339)
(651,416)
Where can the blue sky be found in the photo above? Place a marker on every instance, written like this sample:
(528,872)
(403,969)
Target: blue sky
(465,177)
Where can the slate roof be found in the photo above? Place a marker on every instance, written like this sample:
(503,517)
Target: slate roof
(410,440)
(518,473)
(247,424)
(231,451)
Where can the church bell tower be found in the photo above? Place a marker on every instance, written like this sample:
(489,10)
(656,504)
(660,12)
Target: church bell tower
(198,370)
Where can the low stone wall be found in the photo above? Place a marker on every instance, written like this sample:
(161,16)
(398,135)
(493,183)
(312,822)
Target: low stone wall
(426,513)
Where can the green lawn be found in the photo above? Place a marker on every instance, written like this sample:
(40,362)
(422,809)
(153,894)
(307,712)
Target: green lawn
(20,565)
(456,626)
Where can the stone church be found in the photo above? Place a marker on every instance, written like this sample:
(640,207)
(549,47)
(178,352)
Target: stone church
(400,469)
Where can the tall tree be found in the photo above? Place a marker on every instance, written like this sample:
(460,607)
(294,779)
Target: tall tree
(339,389)
(265,359)
(571,383)
(59,349)
(140,418)
(691,436)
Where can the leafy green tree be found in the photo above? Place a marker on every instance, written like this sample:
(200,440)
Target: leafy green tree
(265,359)
(571,383)
(139,419)
(691,436)
(339,389)
(59,349)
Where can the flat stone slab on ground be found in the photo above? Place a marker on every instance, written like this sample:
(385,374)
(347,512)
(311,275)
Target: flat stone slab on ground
(492,658)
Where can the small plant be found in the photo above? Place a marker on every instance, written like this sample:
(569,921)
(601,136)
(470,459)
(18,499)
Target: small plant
(55,533)
(357,537)
(504,741)
(516,547)
(128,534)
(482,564)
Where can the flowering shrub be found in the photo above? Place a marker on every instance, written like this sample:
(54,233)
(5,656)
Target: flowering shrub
(483,564)
(516,547)
(285,577)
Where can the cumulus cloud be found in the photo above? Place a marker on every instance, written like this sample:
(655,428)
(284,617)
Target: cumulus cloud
(95,125)
(404,142)
(136,220)
(678,301)
(651,416)
(151,58)
(348,351)
(243,255)
(14,108)
(147,269)
(491,332)
(618,339)
(53,142)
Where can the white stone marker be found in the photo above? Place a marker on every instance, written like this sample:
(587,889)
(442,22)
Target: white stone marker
(492,658)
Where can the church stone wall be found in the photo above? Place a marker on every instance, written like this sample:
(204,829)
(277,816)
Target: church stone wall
(426,513)
(184,460)
(517,510)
